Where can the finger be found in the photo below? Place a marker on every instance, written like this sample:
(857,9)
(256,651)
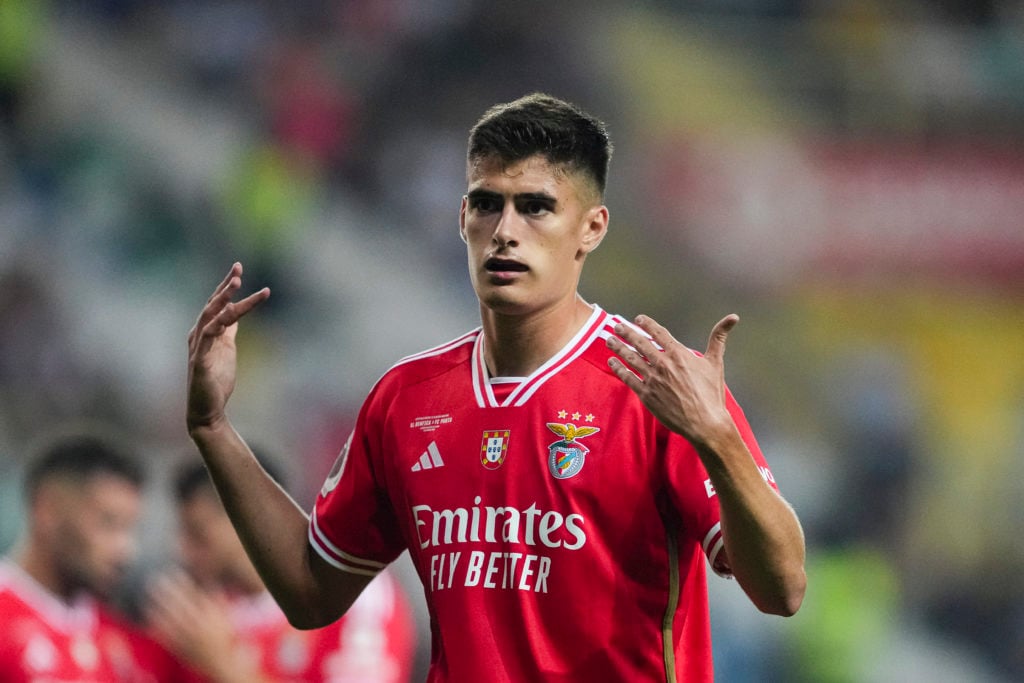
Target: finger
(172,591)
(637,340)
(719,333)
(625,374)
(628,355)
(162,611)
(661,336)
(234,271)
(229,314)
(233,311)
(215,305)
(242,307)
(221,297)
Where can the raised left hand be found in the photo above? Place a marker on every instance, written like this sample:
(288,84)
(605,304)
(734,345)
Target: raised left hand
(684,390)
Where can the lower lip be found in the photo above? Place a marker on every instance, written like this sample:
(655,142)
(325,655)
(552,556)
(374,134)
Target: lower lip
(499,276)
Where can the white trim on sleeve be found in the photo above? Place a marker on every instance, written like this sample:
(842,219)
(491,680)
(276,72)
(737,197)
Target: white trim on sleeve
(338,558)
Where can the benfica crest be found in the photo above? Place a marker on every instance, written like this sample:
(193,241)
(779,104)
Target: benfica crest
(493,448)
(566,457)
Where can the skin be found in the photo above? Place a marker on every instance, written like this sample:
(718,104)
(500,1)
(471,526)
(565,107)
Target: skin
(81,534)
(210,550)
(764,544)
(271,526)
(546,221)
(188,611)
(528,228)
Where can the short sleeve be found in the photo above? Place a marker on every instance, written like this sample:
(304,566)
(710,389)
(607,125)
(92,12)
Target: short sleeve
(352,526)
(691,490)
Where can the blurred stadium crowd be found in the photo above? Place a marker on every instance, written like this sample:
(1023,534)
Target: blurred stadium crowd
(847,175)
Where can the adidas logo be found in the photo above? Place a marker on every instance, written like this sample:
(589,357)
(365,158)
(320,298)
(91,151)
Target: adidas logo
(429,459)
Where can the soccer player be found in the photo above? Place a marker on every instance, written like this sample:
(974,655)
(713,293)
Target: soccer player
(560,476)
(220,619)
(83,495)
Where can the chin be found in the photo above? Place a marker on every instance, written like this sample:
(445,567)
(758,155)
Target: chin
(503,304)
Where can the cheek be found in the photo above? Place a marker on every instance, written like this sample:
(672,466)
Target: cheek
(556,257)
(74,533)
(477,238)
(93,548)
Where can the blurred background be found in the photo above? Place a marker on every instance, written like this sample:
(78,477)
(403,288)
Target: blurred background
(847,175)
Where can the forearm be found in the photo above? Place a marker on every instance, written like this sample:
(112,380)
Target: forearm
(269,523)
(763,539)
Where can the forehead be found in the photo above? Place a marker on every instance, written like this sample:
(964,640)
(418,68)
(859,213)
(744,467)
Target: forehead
(90,487)
(108,488)
(202,508)
(101,494)
(533,174)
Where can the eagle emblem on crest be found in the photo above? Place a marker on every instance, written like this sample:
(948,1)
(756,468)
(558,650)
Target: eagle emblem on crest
(566,457)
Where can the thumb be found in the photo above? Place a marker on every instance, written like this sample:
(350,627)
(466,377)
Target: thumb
(719,333)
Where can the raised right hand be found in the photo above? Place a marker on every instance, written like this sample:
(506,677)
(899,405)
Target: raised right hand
(212,352)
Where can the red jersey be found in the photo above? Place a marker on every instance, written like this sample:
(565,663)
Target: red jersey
(372,643)
(46,640)
(559,529)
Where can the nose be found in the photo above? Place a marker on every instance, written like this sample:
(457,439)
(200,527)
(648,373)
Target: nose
(507,227)
(127,547)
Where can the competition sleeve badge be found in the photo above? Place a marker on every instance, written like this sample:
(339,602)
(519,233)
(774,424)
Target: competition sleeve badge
(338,469)
(494,448)
(566,457)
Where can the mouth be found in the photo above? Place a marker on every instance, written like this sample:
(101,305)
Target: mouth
(500,265)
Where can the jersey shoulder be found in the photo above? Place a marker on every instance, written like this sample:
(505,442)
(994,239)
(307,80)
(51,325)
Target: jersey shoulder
(598,353)
(22,599)
(428,364)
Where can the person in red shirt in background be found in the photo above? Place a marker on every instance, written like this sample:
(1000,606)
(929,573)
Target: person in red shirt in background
(83,494)
(217,615)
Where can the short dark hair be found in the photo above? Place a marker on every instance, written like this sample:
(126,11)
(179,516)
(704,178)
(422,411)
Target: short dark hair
(541,124)
(193,478)
(80,456)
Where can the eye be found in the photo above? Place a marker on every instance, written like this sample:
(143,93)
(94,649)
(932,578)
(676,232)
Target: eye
(484,204)
(536,207)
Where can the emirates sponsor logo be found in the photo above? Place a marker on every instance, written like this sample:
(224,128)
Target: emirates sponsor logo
(440,533)
(483,523)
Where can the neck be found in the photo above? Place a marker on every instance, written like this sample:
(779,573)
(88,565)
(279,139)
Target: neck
(516,345)
(34,562)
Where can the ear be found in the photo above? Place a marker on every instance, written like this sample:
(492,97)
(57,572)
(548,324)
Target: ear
(594,228)
(45,508)
(462,218)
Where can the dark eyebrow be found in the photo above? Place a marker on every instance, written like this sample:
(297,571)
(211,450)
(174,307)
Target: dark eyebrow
(482,194)
(521,197)
(536,197)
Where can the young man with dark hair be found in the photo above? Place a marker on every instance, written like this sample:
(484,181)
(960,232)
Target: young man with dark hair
(560,476)
(219,618)
(83,493)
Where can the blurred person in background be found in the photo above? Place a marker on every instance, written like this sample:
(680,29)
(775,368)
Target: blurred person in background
(560,476)
(83,493)
(218,617)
